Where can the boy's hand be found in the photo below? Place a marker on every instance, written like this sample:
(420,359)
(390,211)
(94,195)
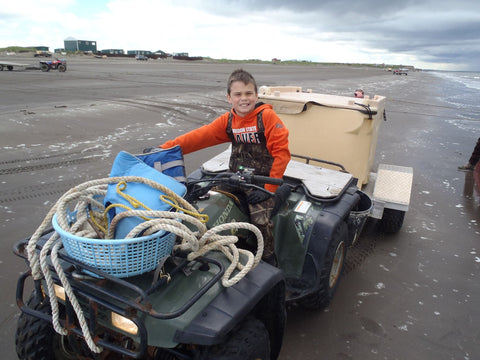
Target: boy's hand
(257,196)
(151,149)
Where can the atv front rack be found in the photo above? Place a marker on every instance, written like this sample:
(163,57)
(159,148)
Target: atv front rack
(108,292)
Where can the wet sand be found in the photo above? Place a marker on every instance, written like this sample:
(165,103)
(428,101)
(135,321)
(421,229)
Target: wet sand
(411,295)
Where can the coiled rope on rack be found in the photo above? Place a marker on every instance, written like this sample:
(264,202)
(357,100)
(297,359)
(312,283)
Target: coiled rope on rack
(197,242)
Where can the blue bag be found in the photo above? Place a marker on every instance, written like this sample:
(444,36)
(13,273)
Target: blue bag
(126,164)
(168,161)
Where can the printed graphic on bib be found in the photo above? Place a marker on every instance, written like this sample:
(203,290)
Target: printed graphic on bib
(248,135)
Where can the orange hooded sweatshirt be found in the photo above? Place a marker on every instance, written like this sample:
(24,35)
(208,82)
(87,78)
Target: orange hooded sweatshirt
(276,135)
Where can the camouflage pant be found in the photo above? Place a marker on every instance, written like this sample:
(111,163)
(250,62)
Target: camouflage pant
(260,217)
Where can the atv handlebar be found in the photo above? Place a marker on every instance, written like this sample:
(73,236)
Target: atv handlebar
(199,184)
(260,180)
(249,179)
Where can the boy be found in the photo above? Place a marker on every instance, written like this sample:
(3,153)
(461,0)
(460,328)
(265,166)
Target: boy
(259,141)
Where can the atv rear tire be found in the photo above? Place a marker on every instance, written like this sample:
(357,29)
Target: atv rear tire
(249,341)
(44,67)
(391,221)
(331,272)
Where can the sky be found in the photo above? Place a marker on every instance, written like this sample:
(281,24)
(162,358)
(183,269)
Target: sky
(440,34)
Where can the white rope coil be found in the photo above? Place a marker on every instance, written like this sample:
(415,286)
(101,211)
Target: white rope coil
(85,197)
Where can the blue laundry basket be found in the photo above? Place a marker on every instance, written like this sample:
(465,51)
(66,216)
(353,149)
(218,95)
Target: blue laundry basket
(118,257)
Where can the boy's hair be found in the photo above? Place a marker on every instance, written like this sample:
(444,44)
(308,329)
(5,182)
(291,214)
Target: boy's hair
(243,76)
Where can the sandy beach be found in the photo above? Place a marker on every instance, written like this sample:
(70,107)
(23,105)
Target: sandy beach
(412,295)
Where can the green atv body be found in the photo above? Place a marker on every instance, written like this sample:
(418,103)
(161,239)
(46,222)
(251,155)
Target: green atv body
(181,310)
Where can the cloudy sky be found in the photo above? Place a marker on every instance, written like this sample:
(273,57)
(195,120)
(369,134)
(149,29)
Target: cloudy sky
(440,34)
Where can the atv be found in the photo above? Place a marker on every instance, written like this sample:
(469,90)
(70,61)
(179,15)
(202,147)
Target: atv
(57,64)
(207,299)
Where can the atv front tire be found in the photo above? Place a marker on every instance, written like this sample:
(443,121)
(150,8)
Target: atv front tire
(35,338)
(249,341)
(331,272)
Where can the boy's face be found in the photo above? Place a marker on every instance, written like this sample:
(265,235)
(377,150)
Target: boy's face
(242,97)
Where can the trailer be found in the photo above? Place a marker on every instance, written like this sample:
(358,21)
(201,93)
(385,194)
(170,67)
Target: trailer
(10,65)
(344,131)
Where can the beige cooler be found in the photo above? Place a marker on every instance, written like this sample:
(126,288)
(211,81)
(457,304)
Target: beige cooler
(339,129)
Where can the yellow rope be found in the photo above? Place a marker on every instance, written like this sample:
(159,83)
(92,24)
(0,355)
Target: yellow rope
(102,228)
(171,201)
(122,185)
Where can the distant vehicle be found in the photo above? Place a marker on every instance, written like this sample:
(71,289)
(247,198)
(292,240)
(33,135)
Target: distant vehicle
(400,72)
(41,53)
(141,57)
(57,64)
(10,65)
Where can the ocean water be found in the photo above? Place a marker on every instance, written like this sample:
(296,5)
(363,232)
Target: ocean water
(461,94)
(452,97)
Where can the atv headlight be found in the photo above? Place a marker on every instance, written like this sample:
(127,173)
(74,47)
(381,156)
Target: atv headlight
(124,324)
(59,291)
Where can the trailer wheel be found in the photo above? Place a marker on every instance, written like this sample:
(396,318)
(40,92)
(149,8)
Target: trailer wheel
(391,221)
(10,67)
(249,341)
(62,68)
(331,272)
(44,67)
(1,67)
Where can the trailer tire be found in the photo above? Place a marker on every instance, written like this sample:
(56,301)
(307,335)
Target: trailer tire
(1,67)
(44,67)
(249,341)
(10,67)
(331,272)
(391,221)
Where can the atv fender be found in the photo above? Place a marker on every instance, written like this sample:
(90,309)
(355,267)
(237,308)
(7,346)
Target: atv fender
(333,216)
(231,306)
(322,234)
(330,222)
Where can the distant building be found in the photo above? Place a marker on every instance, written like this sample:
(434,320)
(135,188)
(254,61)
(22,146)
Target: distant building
(72,44)
(41,48)
(139,52)
(113,51)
